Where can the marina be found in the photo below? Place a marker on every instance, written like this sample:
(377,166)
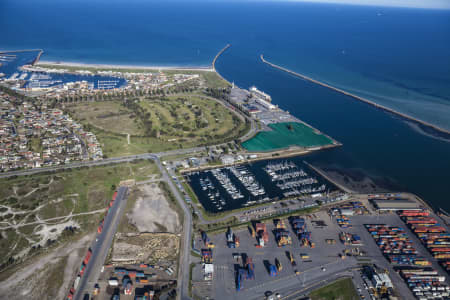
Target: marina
(12,66)
(233,187)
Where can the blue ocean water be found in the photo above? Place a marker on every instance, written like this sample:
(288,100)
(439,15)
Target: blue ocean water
(395,56)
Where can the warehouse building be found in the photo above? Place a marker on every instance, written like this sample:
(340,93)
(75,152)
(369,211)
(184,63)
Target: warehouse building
(397,204)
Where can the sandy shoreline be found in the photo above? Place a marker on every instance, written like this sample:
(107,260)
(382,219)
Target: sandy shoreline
(119,67)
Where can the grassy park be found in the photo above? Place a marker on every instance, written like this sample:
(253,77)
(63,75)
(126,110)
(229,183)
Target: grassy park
(155,124)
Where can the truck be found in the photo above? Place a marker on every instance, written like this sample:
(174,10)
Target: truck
(206,240)
(278,264)
(250,268)
(238,281)
(127,286)
(291,258)
(304,256)
(273,271)
(96,289)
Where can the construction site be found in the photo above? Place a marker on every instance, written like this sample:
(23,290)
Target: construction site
(143,259)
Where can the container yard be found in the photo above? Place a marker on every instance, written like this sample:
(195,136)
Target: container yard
(433,236)
(395,245)
(324,249)
(139,281)
(425,283)
(269,256)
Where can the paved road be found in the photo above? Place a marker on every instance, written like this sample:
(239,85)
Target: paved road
(106,161)
(183,270)
(101,247)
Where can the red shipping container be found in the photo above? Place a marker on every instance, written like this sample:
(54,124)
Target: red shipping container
(87,257)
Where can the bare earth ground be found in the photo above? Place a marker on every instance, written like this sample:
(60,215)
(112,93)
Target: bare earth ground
(153,248)
(29,281)
(152,212)
(155,236)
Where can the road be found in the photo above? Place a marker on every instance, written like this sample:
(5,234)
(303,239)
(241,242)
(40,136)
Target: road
(106,161)
(183,270)
(101,246)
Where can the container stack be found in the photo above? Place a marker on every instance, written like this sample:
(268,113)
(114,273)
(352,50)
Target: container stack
(100,226)
(262,234)
(343,221)
(283,238)
(232,239)
(279,224)
(299,227)
(298,224)
(425,283)
(245,272)
(395,245)
(207,256)
(350,239)
(432,235)
(305,239)
(206,240)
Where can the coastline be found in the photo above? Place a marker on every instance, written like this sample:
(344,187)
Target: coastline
(213,64)
(38,62)
(120,67)
(362,99)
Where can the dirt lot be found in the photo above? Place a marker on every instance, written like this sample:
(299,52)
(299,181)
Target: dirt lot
(148,232)
(48,276)
(152,248)
(152,213)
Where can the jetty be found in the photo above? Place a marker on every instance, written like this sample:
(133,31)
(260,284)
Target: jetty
(382,107)
(218,55)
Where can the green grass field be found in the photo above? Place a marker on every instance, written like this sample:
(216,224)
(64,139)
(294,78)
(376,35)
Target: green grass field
(45,196)
(342,289)
(158,124)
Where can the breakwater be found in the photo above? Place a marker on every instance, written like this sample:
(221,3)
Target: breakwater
(218,55)
(382,107)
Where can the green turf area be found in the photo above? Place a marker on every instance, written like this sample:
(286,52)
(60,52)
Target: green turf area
(284,135)
(157,124)
(45,196)
(342,289)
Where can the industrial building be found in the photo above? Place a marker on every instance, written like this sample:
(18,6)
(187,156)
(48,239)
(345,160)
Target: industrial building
(394,205)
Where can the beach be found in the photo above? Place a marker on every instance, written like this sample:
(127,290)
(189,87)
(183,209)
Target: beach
(119,67)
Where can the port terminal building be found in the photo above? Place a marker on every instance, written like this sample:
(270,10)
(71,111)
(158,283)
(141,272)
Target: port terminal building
(394,205)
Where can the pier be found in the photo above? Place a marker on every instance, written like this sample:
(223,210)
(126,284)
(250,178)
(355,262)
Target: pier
(407,117)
